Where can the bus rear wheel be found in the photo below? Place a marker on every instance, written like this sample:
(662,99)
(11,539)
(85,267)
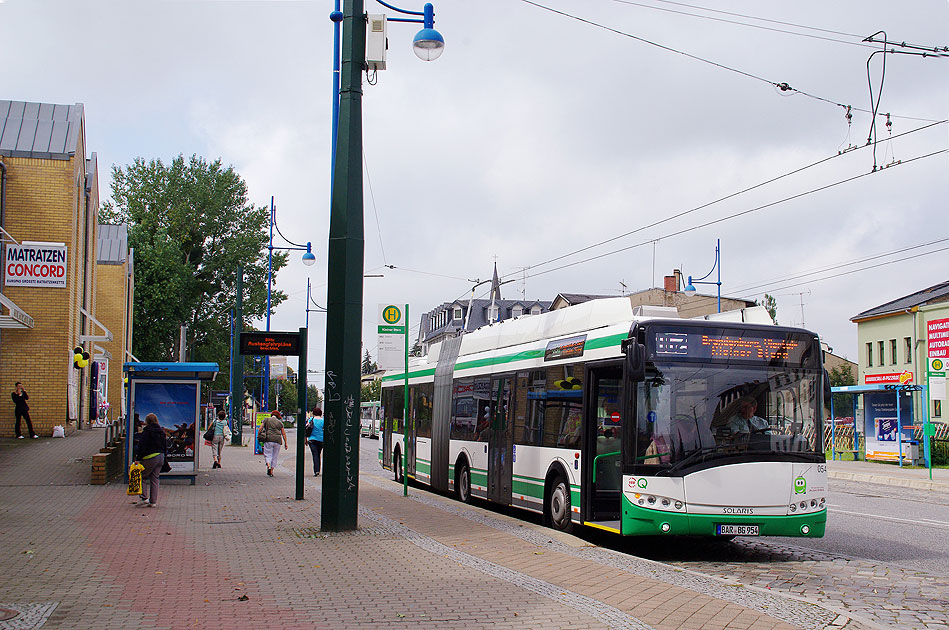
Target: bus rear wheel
(558,505)
(463,484)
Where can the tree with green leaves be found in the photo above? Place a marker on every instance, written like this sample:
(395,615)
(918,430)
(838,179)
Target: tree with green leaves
(839,376)
(191,224)
(371,391)
(368,365)
(770,305)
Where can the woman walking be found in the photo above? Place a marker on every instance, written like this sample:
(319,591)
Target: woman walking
(273,434)
(315,438)
(150,453)
(221,436)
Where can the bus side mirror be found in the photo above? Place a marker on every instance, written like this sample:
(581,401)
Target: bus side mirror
(636,361)
(827,391)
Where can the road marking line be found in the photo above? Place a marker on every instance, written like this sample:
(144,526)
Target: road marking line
(918,521)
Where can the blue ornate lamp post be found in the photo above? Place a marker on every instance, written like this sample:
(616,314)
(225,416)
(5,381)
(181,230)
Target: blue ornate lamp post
(690,289)
(308,259)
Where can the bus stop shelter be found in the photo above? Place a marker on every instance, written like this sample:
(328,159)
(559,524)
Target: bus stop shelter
(888,423)
(172,391)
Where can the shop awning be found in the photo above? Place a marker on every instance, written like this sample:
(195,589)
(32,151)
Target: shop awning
(17,317)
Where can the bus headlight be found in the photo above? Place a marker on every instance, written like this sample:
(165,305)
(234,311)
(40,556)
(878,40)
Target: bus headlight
(805,529)
(793,507)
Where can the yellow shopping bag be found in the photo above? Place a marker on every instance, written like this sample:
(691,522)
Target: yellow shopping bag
(135,478)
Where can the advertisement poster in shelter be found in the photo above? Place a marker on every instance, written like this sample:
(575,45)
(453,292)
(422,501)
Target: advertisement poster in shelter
(880,424)
(259,418)
(176,404)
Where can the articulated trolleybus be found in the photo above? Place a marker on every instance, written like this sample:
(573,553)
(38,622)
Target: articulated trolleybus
(591,415)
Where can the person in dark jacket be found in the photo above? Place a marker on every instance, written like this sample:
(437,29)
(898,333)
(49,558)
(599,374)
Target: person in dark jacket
(151,452)
(21,409)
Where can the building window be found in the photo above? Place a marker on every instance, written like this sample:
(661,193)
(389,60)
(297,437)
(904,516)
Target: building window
(517,311)
(458,313)
(880,358)
(937,409)
(535,310)
(908,351)
(869,354)
(493,314)
(892,351)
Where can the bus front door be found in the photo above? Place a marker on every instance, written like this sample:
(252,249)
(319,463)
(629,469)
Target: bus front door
(410,434)
(602,448)
(500,466)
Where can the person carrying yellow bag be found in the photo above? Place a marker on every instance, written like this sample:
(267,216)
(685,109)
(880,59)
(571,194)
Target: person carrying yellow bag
(151,451)
(135,479)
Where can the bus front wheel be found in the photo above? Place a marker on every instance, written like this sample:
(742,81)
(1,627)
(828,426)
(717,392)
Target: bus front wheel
(463,484)
(397,466)
(558,505)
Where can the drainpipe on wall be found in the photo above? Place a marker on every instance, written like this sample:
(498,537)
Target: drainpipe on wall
(3,201)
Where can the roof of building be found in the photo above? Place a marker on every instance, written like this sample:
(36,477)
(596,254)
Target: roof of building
(478,317)
(579,298)
(113,245)
(39,130)
(936,293)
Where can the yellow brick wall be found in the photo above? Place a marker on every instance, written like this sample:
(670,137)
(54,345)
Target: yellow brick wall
(46,202)
(111,298)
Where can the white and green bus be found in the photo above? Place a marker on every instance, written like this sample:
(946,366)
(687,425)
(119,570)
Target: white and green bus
(592,415)
(370,419)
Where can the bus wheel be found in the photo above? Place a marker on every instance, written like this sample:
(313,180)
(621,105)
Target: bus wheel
(558,505)
(463,484)
(397,466)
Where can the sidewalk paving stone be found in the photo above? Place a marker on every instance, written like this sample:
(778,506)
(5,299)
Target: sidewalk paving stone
(238,551)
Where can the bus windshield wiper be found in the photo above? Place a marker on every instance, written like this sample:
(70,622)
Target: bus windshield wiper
(693,456)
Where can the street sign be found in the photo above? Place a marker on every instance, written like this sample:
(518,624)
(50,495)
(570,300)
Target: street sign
(937,338)
(937,378)
(392,337)
(270,343)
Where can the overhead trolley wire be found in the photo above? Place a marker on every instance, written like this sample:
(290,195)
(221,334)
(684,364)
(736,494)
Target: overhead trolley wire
(738,214)
(782,86)
(845,273)
(726,197)
(812,272)
(859,43)
(760,19)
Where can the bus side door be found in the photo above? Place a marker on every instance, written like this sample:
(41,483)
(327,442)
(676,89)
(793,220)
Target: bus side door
(500,468)
(602,451)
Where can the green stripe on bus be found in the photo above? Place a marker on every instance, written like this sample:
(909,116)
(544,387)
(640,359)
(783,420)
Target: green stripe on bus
(639,520)
(525,355)
(416,374)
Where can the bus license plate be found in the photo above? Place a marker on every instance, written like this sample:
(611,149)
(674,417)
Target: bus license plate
(737,530)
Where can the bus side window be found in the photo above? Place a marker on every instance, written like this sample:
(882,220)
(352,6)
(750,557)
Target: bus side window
(521,409)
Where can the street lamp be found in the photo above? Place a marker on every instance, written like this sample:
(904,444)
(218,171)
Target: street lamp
(690,289)
(308,259)
(345,269)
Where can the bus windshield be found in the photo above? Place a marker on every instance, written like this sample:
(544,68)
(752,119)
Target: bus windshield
(690,414)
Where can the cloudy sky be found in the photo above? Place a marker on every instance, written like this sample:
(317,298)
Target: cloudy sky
(561,130)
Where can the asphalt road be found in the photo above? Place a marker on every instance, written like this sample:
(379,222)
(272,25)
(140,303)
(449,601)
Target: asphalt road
(882,524)
(901,526)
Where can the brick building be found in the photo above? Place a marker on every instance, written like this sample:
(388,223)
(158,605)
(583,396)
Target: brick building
(48,206)
(115,289)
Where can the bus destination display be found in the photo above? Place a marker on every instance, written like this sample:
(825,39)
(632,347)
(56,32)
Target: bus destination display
(718,344)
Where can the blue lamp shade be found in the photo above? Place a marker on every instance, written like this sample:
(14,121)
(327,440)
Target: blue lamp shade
(689,288)
(428,44)
(309,259)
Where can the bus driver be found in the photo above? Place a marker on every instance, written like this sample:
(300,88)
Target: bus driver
(745,421)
